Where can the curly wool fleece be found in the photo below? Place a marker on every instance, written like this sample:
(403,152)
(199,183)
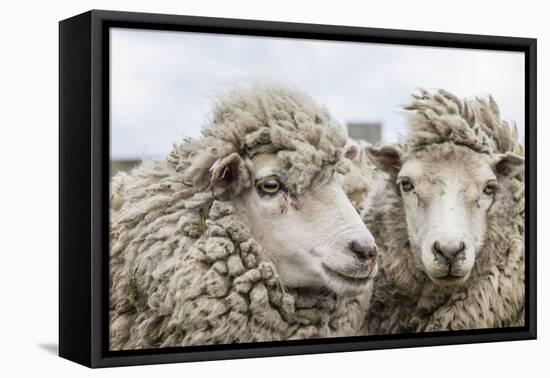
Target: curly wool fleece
(185,268)
(404,299)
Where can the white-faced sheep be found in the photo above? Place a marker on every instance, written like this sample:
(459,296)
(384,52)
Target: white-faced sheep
(363,179)
(242,235)
(450,224)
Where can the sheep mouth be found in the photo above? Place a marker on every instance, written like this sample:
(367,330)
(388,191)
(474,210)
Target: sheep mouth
(352,280)
(449,280)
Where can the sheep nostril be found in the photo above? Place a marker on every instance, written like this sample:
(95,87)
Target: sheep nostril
(363,252)
(448,252)
(357,249)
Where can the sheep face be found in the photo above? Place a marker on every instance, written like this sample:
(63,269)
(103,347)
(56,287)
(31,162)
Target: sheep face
(447,193)
(315,238)
(359,181)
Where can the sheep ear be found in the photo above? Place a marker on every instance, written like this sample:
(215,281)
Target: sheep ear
(387,158)
(351,151)
(224,171)
(509,165)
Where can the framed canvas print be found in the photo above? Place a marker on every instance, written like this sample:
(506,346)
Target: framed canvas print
(234,188)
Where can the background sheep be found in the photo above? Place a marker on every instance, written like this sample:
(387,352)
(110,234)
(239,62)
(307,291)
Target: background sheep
(450,223)
(244,235)
(363,178)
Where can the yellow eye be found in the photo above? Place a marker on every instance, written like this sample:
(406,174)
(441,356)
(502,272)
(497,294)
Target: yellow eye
(406,185)
(489,188)
(270,186)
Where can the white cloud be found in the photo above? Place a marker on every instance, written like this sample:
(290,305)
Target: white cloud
(162,82)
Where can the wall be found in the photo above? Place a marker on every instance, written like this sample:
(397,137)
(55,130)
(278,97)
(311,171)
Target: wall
(29,190)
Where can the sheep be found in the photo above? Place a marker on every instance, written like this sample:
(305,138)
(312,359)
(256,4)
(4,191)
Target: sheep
(243,235)
(362,179)
(450,223)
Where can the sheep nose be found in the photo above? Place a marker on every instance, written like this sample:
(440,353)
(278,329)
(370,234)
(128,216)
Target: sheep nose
(365,252)
(448,251)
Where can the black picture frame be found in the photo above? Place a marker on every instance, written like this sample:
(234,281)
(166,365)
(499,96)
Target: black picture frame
(84,192)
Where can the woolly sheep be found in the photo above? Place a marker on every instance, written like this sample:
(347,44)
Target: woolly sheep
(357,180)
(243,235)
(450,224)
(363,179)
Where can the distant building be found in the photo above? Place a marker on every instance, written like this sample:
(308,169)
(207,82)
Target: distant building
(369,131)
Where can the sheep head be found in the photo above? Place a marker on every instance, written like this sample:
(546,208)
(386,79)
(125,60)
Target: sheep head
(449,188)
(362,179)
(278,157)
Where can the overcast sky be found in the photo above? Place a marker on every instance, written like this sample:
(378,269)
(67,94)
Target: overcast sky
(162,83)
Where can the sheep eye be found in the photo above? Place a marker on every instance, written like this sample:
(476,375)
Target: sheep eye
(406,185)
(490,188)
(270,186)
